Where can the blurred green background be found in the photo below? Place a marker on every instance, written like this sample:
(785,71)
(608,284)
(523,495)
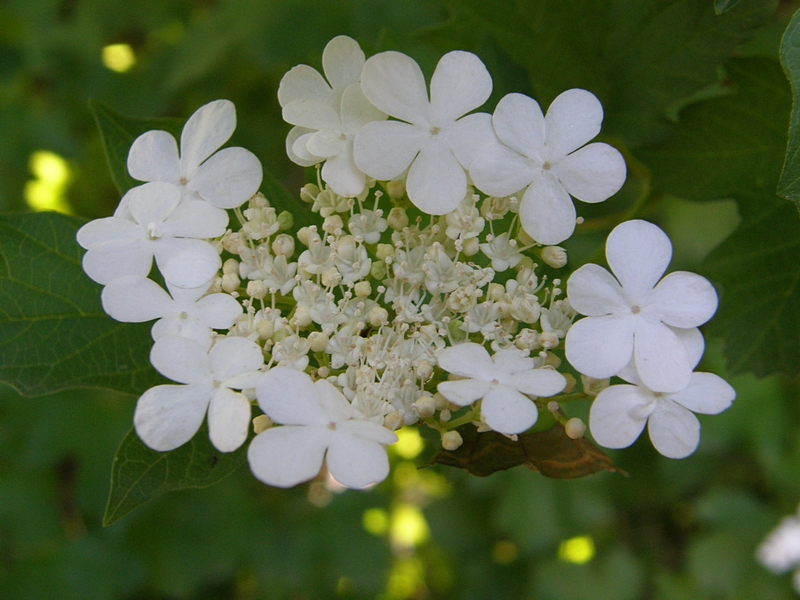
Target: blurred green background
(671,530)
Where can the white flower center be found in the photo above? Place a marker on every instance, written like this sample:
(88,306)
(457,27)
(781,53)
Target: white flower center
(435,130)
(153,231)
(546,166)
(636,309)
(332,426)
(183,181)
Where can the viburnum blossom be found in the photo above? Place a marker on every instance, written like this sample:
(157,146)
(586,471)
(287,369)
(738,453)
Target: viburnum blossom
(168,416)
(781,550)
(505,381)
(225,178)
(546,157)
(184,312)
(317,422)
(160,226)
(619,413)
(631,315)
(432,139)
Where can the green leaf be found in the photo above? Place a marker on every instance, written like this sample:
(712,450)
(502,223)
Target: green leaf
(54,334)
(118,132)
(732,147)
(550,452)
(721,6)
(140,474)
(789,186)
(640,57)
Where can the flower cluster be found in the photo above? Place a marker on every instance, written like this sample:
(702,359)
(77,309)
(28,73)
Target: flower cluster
(416,298)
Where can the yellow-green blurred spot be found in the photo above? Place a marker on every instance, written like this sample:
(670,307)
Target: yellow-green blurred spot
(345,586)
(408,526)
(406,579)
(577,550)
(409,443)
(118,57)
(505,552)
(52,175)
(375,521)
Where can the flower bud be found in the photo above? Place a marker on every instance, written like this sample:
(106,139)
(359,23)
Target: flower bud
(261,423)
(383,251)
(575,428)
(377,316)
(527,339)
(555,256)
(470,246)
(230,266)
(495,291)
(301,318)
(397,219)
(424,369)
(304,234)
(362,289)
(318,341)
(571,383)
(283,246)
(445,415)
(493,209)
(425,406)
(592,386)
(331,277)
(440,401)
(396,189)
(230,282)
(333,223)
(308,193)
(265,329)
(257,289)
(285,220)
(452,440)
(378,269)
(524,239)
(549,339)
(231,242)
(552,360)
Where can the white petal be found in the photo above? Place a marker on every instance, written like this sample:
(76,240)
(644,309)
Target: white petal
(500,171)
(153,202)
(674,430)
(469,136)
(384,149)
(154,157)
(312,114)
(303,82)
(367,430)
(546,211)
(507,411)
(464,391)
(436,182)
(694,342)
(638,253)
(467,359)
(509,361)
(594,292)
(229,178)
(342,61)
(108,229)
(592,174)
(185,262)
(289,397)
(196,219)
(228,419)
(296,147)
(706,393)
(288,455)
(205,131)
(181,360)
(342,174)
(600,346)
(682,300)
(326,143)
(662,360)
(231,356)
(106,262)
(135,299)
(333,402)
(356,462)
(618,415)
(357,111)
(168,416)
(459,85)
(218,311)
(537,382)
(519,123)
(572,120)
(189,328)
(394,83)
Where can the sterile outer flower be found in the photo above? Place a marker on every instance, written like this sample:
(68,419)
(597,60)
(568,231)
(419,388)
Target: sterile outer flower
(160,225)
(504,381)
(184,312)
(168,416)
(430,140)
(544,156)
(317,423)
(631,315)
(226,178)
(619,413)
(780,551)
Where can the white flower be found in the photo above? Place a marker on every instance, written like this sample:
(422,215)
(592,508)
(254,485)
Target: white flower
(225,179)
(184,312)
(543,155)
(433,141)
(317,420)
(168,416)
(503,251)
(160,225)
(631,315)
(502,380)
(781,550)
(619,412)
